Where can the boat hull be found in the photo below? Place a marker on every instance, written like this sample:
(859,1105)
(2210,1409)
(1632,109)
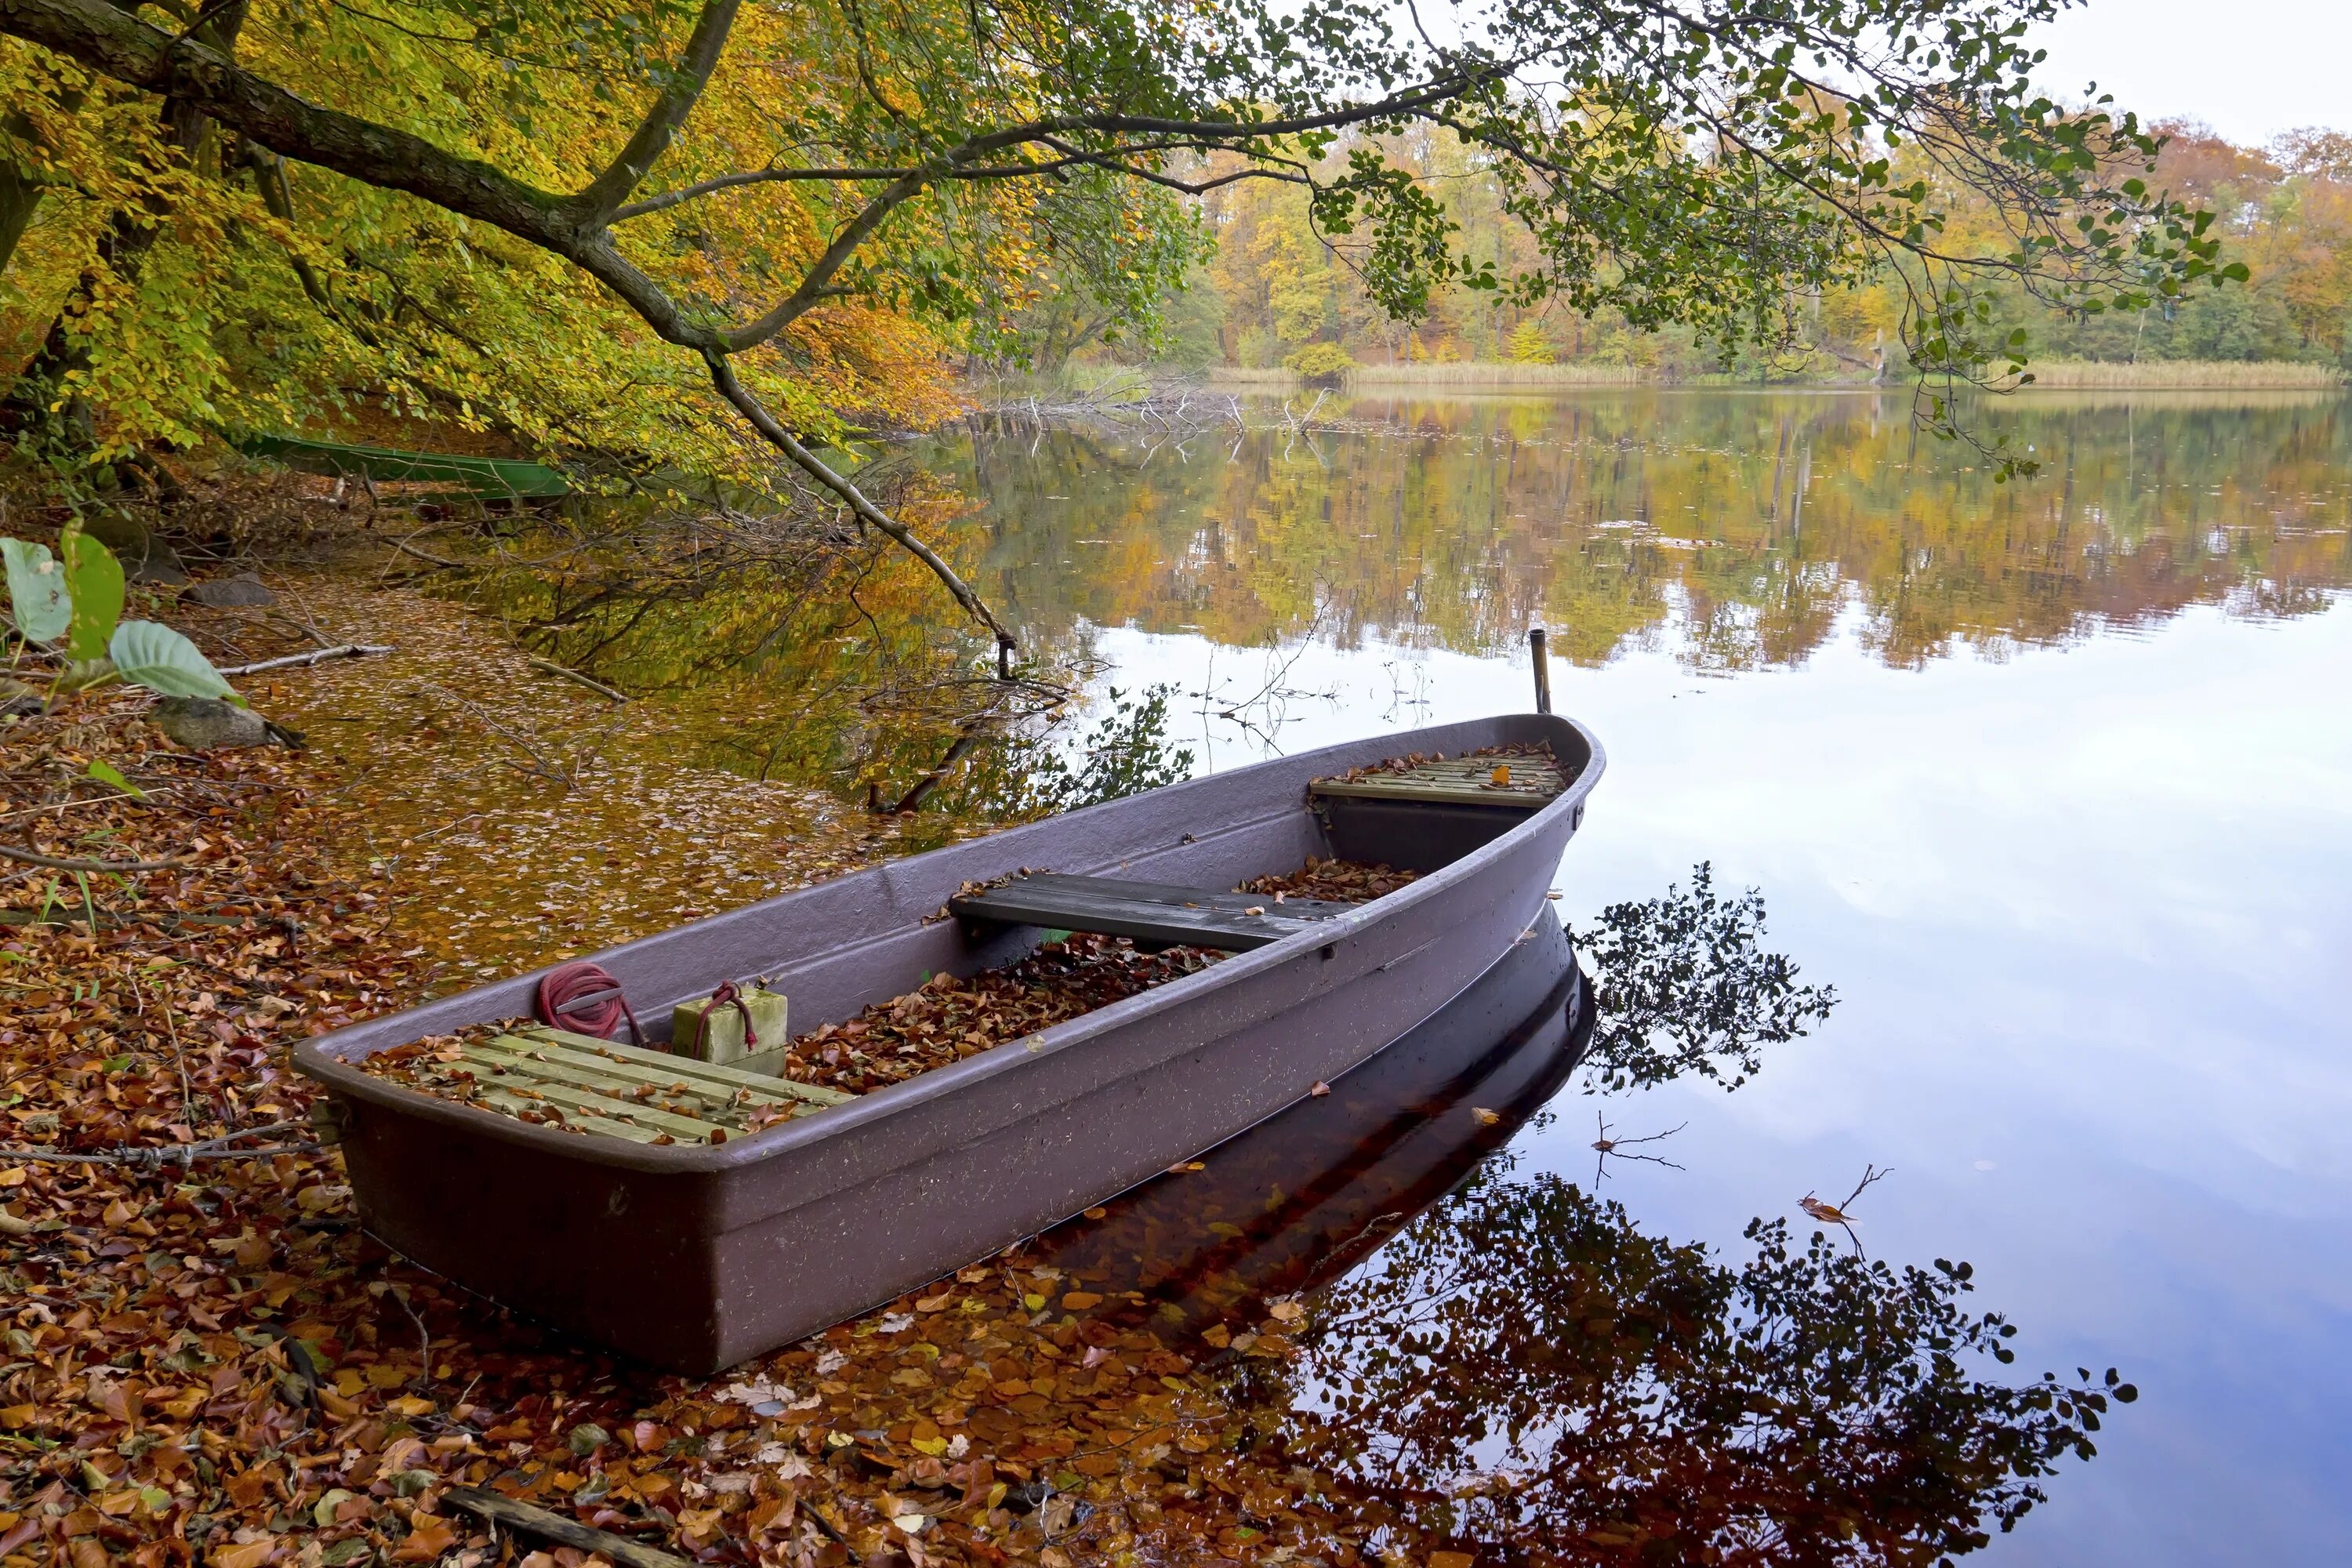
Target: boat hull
(699,1258)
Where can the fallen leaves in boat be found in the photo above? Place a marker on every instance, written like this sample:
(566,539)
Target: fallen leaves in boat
(1337,881)
(950,1019)
(952,1016)
(1540,755)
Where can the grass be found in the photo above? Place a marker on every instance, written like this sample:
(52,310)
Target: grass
(2183,374)
(1474,373)
(1468,374)
(1248,376)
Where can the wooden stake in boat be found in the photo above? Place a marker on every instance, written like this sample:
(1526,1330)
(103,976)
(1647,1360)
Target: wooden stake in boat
(1543,668)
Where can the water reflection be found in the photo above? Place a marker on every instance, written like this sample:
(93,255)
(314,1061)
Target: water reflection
(1526,1372)
(1735,530)
(1495,1362)
(1305,1195)
(1751,521)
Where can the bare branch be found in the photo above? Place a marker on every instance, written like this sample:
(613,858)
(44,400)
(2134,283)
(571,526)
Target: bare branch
(32,857)
(722,375)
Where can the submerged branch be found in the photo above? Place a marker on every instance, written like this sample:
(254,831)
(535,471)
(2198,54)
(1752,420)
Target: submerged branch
(304,660)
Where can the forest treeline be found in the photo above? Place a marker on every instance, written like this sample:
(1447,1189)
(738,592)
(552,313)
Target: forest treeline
(1271,291)
(701,239)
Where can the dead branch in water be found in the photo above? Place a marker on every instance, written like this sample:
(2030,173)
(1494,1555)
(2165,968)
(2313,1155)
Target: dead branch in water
(304,660)
(550,667)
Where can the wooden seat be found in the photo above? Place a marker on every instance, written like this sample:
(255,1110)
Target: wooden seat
(624,1092)
(1149,912)
(1529,782)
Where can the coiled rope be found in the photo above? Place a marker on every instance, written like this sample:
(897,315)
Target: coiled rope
(584,998)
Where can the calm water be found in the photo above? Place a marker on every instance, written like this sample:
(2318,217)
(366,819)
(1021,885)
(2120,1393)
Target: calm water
(2053,781)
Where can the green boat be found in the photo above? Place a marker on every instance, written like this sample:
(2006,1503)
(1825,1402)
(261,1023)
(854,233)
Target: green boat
(488,479)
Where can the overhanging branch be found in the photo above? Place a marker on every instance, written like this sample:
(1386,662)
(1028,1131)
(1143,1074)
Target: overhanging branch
(731,386)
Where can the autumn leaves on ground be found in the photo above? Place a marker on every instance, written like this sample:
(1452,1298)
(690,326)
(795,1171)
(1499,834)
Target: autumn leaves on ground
(206,1361)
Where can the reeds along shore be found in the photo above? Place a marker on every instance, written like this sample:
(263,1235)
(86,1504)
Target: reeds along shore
(2187,375)
(2053,374)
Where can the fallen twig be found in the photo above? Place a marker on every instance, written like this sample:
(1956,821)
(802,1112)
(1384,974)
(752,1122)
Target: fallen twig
(548,1526)
(550,667)
(1841,1215)
(167,920)
(57,863)
(1607,1146)
(303,660)
(157,1156)
(441,560)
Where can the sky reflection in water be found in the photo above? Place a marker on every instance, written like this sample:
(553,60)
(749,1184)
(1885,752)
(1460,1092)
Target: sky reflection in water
(2053,781)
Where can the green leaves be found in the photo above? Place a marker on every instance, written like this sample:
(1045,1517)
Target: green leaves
(36,591)
(161,660)
(105,772)
(94,582)
(80,600)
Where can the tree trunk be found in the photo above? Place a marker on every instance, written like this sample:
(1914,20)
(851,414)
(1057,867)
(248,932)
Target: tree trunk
(19,193)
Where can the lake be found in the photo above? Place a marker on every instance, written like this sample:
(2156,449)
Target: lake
(2050,779)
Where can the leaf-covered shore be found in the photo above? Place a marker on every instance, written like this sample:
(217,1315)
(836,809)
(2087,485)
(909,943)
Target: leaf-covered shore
(208,1361)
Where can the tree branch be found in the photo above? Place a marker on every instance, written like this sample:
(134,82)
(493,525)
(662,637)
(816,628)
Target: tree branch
(32,857)
(95,34)
(592,208)
(722,375)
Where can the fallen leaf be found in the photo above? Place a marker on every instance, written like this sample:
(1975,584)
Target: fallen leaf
(252,1554)
(1484,1117)
(428,1538)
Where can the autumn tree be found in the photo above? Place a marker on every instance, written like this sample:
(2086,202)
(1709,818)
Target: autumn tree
(1695,160)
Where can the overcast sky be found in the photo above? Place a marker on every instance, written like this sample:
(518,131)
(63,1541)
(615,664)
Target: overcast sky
(2250,68)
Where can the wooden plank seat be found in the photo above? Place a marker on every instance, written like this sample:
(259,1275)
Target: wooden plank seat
(1154,913)
(626,1092)
(1533,780)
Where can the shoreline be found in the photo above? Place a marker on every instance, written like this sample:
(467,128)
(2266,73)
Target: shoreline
(2055,376)
(304,1398)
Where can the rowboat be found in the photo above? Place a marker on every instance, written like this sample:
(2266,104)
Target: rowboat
(697,1255)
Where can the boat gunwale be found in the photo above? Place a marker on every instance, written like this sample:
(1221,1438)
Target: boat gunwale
(314,1059)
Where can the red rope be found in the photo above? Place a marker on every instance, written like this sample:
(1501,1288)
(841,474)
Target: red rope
(584,998)
(720,998)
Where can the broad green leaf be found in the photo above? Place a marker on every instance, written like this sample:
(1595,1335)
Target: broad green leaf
(107,773)
(161,660)
(36,591)
(94,584)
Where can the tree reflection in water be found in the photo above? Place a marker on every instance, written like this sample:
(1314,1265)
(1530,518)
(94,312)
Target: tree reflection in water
(1523,1371)
(1494,1361)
